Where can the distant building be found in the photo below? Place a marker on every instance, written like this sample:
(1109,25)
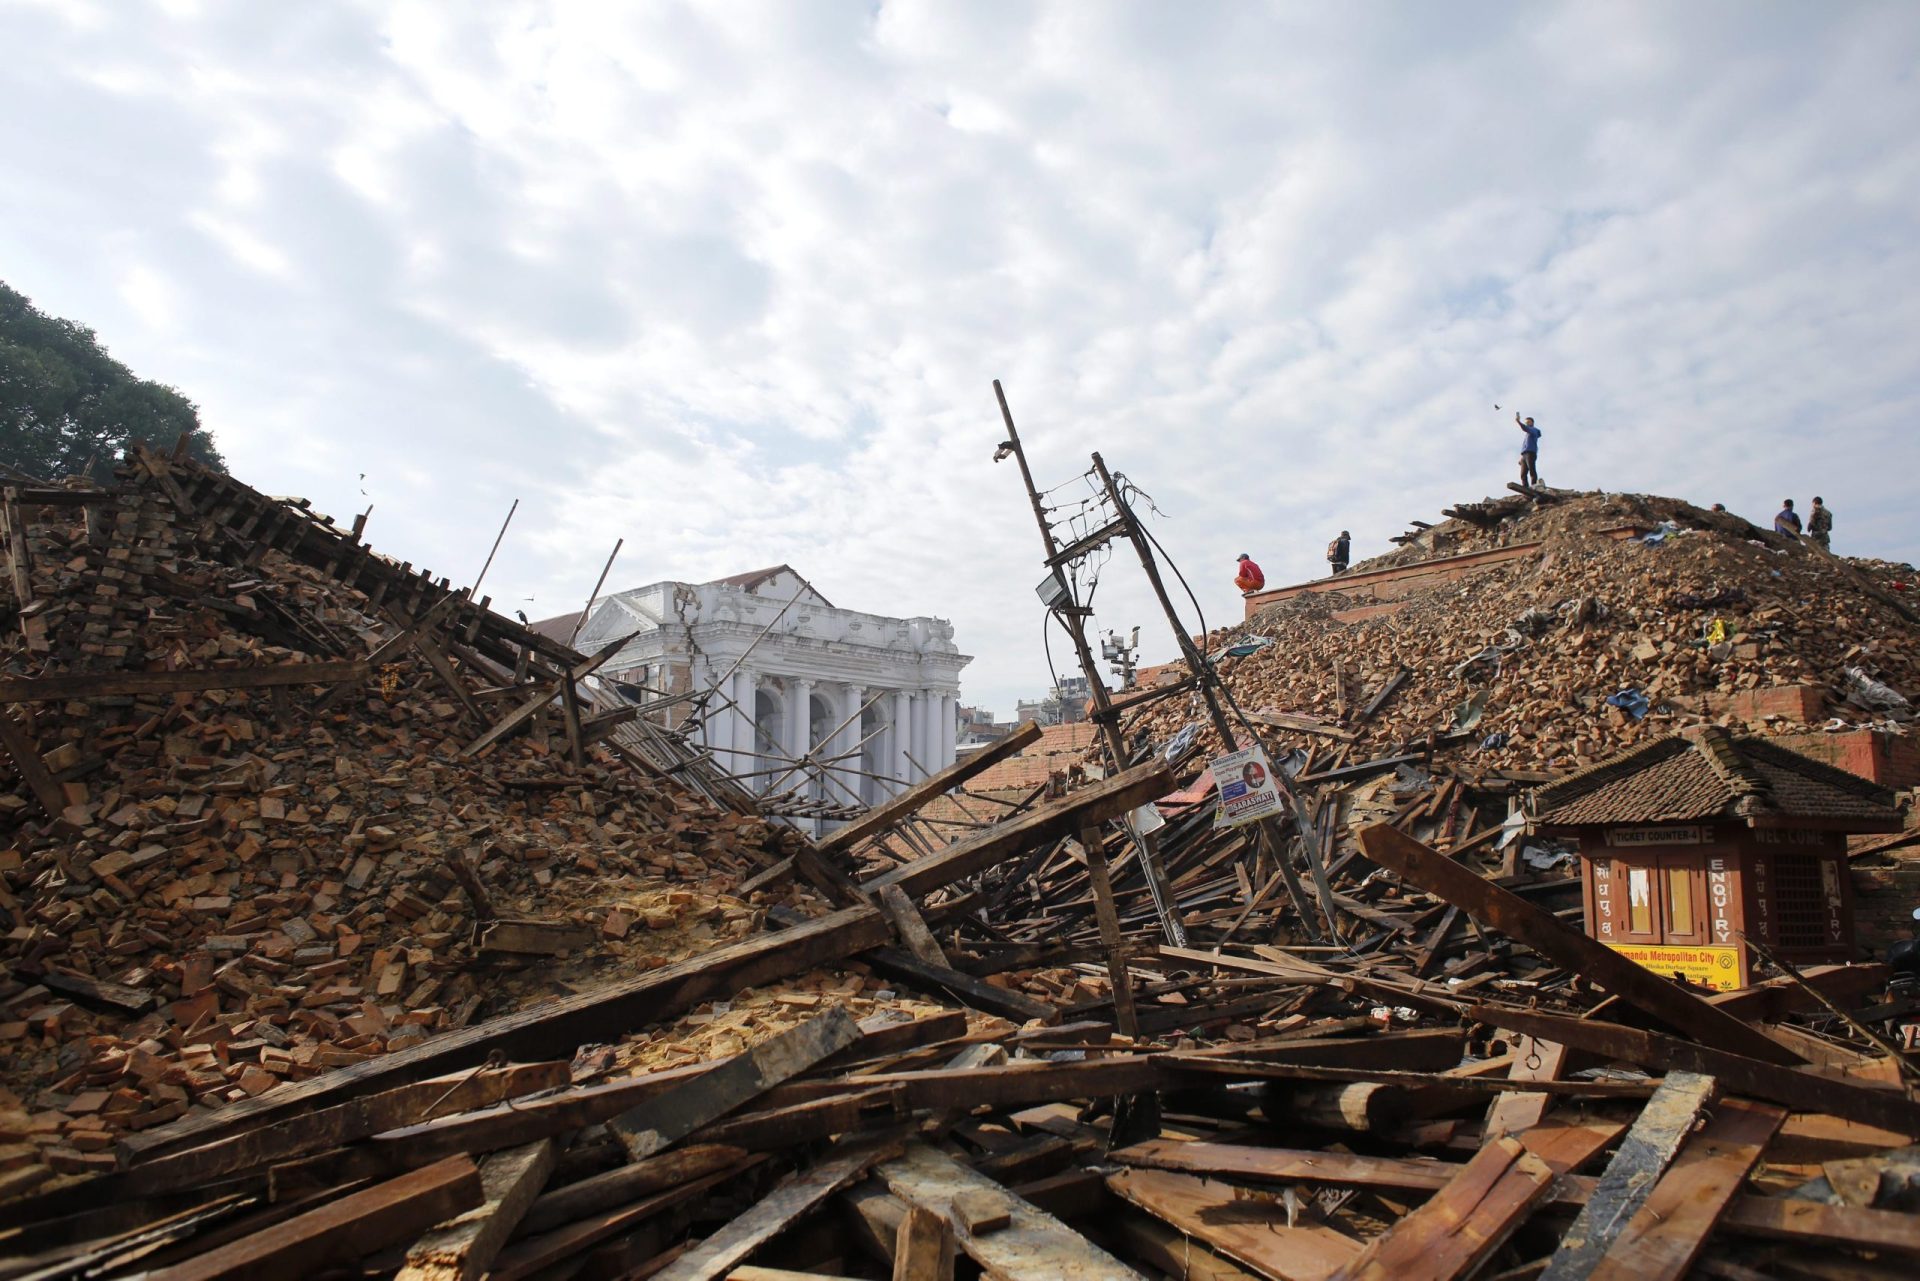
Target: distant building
(1066,705)
(882,692)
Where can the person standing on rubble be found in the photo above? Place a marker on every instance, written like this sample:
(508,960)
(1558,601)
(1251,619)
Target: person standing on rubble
(1788,521)
(1529,452)
(1337,553)
(1249,580)
(1820,525)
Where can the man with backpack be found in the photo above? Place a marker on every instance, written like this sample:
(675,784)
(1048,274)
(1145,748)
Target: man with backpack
(1337,553)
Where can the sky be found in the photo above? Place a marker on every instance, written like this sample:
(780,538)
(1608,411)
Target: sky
(731,282)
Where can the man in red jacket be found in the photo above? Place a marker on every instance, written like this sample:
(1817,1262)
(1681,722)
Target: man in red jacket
(1249,579)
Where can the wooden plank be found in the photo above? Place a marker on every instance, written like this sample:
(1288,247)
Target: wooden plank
(1513,916)
(923,1247)
(19,551)
(527,1257)
(732,1244)
(1662,1240)
(1533,1060)
(628,1183)
(32,766)
(192,680)
(1772,1218)
(1792,1087)
(331,1127)
(598,1015)
(649,1127)
(891,811)
(465,1248)
(1305,724)
(1094,846)
(546,692)
(1252,1233)
(910,927)
(341,1231)
(1176,1254)
(1033,1246)
(1461,1225)
(1379,700)
(1107,799)
(1631,1176)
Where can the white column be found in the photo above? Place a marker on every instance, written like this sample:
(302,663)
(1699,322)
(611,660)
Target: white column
(900,739)
(739,688)
(848,771)
(799,718)
(949,727)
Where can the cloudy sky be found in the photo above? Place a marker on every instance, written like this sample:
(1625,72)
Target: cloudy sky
(731,281)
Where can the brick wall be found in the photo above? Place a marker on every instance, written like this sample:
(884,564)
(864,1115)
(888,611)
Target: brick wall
(1805,704)
(1891,760)
(1398,581)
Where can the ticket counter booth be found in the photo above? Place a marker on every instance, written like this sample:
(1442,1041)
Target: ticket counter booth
(1692,843)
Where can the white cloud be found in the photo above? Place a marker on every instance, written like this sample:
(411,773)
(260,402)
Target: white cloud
(732,281)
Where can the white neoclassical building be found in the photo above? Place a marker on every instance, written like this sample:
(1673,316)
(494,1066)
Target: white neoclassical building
(803,676)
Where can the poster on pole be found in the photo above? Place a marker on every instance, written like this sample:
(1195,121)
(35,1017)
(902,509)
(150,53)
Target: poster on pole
(1247,793)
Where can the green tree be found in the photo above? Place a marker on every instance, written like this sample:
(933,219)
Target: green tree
(66,406)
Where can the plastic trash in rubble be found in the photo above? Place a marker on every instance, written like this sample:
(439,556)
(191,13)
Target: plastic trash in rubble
(1494,741)
(1181,745)
(1409,778)
(1468,714)
(1293,762)
(1632,702)
(1536,620)
(1241,648)
(1864,691)
(1717,631)
(1514,826)
(1544,857)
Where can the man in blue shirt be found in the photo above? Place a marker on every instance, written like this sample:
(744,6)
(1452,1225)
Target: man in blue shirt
(1788,521)
(1529,452)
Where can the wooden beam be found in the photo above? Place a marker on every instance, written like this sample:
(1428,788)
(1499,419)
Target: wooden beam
(1502,910)
(889,812)
(1461,1225)
(1665,1236)
(464,1249)
(1304,724)
(32,766)
(1533,1060)
(530,1256)
(1093,846)
(1630,1177)
(910,927)
(1773,1218)
(340,1232)
(627,1183)
(598,1015)
(729,1247)
(1795,1088)
(331,1127)
(923,1247)
(1032,1246)
(968,990)
(546,692)
(663,1121)
(1107,799)
(192,680)
(1252,1233)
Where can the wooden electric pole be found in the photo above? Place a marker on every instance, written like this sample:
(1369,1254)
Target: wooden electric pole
(1073,615)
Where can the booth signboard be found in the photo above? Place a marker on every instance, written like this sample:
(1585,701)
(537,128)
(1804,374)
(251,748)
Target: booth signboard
(1714,967)
(1247,793)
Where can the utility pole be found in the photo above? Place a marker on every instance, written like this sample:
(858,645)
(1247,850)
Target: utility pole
(1073,615)
(1208,681)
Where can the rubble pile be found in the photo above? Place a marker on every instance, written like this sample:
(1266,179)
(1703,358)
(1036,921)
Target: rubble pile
(1637,616)
(241,887)
(299,838)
